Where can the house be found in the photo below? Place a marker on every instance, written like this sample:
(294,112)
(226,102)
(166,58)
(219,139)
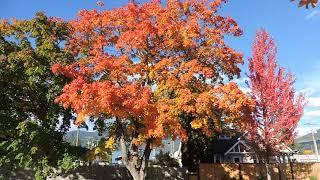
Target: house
(227,149)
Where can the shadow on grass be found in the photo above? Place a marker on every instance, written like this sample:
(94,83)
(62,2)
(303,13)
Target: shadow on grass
(18,174)
(120,172)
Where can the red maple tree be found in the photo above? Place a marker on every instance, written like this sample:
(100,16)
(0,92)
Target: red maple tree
(278,108)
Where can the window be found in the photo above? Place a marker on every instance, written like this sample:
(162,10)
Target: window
(217,158)
(236,159)
(255,159)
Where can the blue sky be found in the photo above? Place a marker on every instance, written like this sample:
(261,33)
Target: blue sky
(295,30)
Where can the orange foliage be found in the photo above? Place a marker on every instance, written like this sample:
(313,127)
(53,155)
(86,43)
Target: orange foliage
(150,63)
(306,3)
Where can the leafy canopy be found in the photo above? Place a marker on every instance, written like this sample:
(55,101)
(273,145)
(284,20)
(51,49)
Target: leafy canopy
(306,3)
(148,66)
(150,63)
(29,136)
(278,109)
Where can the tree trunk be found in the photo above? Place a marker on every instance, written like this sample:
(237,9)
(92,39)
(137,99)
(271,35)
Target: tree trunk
(268,171)
(267,166)
(136,174)
(133,162)
(279,168)
(291,168)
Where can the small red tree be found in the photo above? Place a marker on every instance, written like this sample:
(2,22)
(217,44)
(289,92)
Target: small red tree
(278,110)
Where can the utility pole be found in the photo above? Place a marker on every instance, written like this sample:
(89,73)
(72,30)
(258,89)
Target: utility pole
(315,145)
(314,141)
(172,148)
(77,139)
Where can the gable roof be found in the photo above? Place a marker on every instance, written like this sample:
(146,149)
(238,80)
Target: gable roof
(224,146)
(221,146)
(239,142)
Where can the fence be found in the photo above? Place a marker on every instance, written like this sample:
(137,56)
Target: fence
(298,171)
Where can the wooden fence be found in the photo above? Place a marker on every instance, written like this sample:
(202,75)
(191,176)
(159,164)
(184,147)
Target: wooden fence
(298,171)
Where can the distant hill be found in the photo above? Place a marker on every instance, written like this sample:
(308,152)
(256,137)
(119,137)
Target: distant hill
(90,139)
(86,138)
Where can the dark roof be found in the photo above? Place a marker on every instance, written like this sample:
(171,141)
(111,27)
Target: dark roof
(221,146)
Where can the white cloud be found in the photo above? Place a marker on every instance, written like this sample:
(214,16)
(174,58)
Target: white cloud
(307,91)
(311,15)
(313,101)
(301,131)
(311,114)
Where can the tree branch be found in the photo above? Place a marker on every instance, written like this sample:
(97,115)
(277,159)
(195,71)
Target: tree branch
(144,159)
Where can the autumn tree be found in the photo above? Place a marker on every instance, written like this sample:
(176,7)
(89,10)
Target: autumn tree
(307,3)
(278,108)
(29,134)
(142,70)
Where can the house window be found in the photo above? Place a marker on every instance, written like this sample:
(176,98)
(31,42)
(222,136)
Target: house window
(236,160)
(255,159)
(217,158)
